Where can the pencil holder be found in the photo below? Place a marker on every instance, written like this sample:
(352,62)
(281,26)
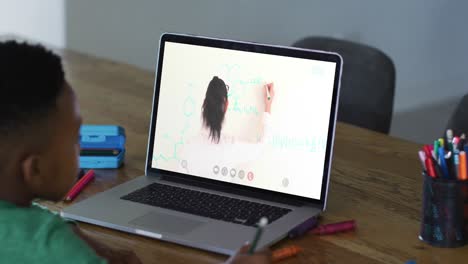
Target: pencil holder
(444,213)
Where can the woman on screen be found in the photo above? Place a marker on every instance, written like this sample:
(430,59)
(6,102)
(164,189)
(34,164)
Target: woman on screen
(213,148)
(216,104)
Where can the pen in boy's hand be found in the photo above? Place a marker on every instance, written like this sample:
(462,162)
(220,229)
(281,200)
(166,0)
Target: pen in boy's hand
(263,222)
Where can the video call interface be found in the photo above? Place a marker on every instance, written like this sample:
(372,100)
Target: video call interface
(246,118)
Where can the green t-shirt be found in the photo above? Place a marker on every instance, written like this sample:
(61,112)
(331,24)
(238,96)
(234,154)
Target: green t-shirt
(35,235)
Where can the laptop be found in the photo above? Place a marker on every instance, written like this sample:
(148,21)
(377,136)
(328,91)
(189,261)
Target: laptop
(239,131)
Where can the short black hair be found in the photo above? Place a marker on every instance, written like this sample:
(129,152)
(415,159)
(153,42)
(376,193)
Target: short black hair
(31,80)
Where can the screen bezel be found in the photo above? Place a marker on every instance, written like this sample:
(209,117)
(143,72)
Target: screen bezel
(256,48)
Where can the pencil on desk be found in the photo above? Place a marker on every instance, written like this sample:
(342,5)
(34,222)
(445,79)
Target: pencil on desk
(462,173)
(79,186)
(286,252)
(329,229)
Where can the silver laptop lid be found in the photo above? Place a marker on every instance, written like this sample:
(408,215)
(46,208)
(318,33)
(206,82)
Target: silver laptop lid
(245,116)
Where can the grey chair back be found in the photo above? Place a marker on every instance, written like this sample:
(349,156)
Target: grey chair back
(458,122)
(367,84)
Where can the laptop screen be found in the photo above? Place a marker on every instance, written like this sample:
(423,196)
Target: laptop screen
(248,118)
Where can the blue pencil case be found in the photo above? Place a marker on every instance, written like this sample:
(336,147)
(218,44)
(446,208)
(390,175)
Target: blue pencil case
(102,146)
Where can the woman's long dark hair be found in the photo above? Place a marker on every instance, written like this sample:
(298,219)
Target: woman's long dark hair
(213,107)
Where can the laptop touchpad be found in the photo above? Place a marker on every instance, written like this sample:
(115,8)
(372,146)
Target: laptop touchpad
(165,223)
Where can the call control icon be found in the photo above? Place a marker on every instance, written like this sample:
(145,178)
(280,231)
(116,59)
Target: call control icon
(216,169)
(233,172)
(224,171)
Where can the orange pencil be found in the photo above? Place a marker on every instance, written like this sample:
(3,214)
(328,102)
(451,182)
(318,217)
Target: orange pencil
(462,174)
(286,252)
(76,189)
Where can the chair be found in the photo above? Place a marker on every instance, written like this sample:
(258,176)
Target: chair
(367,83)
(458,122)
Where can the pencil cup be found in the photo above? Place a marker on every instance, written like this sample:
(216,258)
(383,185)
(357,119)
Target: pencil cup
(444,220)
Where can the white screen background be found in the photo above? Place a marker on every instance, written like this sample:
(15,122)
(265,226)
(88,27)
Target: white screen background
(300,114)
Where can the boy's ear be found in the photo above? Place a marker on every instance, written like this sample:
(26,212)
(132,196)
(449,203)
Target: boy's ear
(31,171)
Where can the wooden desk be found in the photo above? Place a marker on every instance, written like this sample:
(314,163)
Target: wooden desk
(375,179)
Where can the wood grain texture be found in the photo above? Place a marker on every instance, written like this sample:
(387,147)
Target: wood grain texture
(376,179)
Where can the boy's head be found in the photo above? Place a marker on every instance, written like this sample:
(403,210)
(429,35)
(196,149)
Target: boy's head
(39,123)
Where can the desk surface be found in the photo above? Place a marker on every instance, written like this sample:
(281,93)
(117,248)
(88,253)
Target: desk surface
(376,180)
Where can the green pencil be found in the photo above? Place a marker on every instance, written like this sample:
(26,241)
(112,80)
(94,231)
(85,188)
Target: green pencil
(263,222)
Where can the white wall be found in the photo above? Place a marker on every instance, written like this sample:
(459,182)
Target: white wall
(424,37)
(42,21)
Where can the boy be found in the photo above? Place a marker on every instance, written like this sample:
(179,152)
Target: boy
(39,130)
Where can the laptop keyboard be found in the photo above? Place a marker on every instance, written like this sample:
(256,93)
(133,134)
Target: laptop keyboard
(205,204)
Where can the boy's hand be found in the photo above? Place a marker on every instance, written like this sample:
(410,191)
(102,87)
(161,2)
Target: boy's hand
(242,257)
